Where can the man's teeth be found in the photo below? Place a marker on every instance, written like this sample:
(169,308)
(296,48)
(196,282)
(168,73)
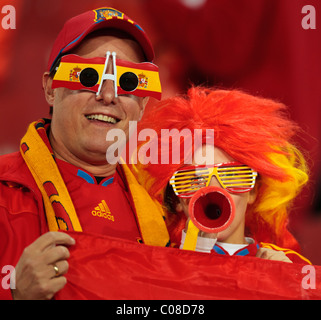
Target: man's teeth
(101,118)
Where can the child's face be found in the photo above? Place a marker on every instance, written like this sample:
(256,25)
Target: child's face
(235,232)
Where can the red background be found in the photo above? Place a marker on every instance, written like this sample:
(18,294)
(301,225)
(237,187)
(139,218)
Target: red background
(255,45)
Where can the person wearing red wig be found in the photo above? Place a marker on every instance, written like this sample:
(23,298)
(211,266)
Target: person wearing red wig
(248,131)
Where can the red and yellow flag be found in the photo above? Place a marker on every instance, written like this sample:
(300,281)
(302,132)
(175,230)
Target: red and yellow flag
(102,267)
(69,75)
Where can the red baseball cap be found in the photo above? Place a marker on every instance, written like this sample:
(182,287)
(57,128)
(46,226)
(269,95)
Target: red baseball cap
(77,28)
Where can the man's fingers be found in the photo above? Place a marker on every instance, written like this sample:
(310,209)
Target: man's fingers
(58,269)
(51,239)
(40,269)
(55,254)
(57,284)
(49,289)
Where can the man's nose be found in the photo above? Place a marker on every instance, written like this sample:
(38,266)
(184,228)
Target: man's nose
(108,86)
(107,93)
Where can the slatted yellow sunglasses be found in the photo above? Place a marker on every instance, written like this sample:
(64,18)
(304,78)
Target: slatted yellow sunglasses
(232,176)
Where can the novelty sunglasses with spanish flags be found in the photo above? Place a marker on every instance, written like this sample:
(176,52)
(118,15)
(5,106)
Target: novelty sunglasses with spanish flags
(78,73)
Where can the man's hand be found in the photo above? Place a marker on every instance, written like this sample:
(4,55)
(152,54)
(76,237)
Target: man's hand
(269,254)
(36,271)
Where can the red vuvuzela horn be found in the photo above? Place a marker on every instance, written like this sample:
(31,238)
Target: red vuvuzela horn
(212,209)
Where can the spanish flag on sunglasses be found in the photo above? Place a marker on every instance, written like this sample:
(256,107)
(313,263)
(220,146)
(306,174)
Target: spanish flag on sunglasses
(77,73)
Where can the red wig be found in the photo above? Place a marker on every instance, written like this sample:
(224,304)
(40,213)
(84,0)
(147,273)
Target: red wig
(252,130)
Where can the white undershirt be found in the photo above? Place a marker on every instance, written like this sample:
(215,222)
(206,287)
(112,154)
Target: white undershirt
(231,248)
(207,244)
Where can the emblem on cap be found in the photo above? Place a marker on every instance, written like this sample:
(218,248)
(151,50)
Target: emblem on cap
(107,13)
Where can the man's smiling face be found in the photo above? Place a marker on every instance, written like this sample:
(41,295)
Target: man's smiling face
(81,119)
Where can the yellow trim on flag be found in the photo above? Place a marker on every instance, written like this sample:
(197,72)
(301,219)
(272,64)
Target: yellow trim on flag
(286,251)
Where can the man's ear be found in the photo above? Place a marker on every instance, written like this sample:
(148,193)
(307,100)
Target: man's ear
(47,87)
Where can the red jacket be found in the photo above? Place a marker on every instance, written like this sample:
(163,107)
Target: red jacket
(22,218)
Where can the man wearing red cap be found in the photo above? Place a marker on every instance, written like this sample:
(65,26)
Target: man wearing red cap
(60,179)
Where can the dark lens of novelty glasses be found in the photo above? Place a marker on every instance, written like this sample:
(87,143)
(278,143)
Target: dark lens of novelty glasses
(128,81)
(88,77)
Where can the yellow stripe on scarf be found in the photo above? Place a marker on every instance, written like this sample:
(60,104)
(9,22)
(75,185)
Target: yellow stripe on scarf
(191,237)
(44,169)
(149,213)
